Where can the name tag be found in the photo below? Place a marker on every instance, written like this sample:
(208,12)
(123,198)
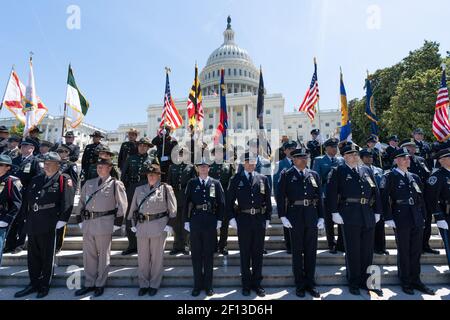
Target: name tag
(369,180)
(165,158)
(212,191)
(416,186)
(262,187)
(314,182)
(27,168)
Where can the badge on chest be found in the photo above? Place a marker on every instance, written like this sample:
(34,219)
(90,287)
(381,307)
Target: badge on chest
(212,191)
(262,187)
(27,168)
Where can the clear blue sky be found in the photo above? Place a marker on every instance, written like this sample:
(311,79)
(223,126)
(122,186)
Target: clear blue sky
(120,52)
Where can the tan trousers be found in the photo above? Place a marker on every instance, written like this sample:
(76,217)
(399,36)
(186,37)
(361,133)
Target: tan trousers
(150,261)
(96,258)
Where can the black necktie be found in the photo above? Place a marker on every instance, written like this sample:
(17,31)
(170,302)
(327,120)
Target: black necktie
(250,178)
(203,184)
(333,160)
(354,171)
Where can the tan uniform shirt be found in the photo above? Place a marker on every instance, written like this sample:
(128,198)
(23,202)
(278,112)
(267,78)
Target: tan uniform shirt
(163,200)
(105,200)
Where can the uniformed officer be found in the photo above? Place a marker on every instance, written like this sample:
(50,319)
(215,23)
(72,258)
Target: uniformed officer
(281,154)
(152,213)
(380,236)
(355,203)
(25,167)
(12,150)
(49,206)
(103,204)
(371,144)
(105,153)
(222,171)
(44,149)
(10,199)
(128,148)
(388,159)
(323,166)
(70,169)
(418,166)
(438,196)
(314,146)
(133,176)
(251,218)
(89,154)
(74,149)
(404,210)
(180,173)
(203,210)
(164,144)
(300,207)
(34,139)
(423,147)
(4,134)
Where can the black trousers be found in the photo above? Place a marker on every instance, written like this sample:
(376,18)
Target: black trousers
(287,238)
(203,240)
(17,233)
(41,252)
(304,253)
(409,246)
(223,236)
(181,237)
(380,237)
(358,242)
(251,235)
(60,234)
(427,230)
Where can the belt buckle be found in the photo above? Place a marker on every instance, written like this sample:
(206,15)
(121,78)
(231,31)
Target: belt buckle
(364,201)
(252,211)
(35,207)
(205,207)
(91,215)
(306,203)
(411,201)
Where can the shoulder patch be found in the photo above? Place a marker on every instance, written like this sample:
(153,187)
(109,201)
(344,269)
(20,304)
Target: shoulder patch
(432,180)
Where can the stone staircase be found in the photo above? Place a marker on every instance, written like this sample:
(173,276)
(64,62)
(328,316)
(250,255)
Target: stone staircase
(277,269)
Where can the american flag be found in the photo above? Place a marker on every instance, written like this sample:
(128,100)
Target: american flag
(170,116)
(312,96)
(441,124)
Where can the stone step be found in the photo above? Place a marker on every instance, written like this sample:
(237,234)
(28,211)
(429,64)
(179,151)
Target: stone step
(272,243)
(274,276)
(273,258)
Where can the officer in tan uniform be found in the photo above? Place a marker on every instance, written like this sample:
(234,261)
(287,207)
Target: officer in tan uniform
(152,212)
(103,204)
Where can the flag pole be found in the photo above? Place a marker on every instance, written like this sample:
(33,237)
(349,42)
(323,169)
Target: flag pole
(165,118)
(65,107)
(318,115)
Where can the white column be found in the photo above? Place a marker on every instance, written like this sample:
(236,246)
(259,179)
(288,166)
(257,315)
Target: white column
(245,117)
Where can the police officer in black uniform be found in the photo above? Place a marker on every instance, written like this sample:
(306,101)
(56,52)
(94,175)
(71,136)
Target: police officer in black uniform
(89,155)
(423,148)
(34,139)
(314,146)
(251,218)
(404,210)
(388,157)
(300,207)
(166,142)
(74,149)
(103,152)
(180,173)
(49,206)
(4,134)
(128,148)
(355,204)
(377,154)
(133,176)
(203,210)
(25,167)
(12,150)
(10,199)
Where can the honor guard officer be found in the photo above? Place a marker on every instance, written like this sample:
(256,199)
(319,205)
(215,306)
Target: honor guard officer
(70,169)
(25,167)
(404,210)
(423,148)
(10,199)
(300,207)
(133,176)
(153,211)
(49,206)
(323,166)
(251,218)
(281,154)
(355,203)
(204,210)
(103,204)
(105,153)
(128,148)
(12,150)
(371,143)
(419,167)
(180,173)
(314,146)
(44,149)
(4,134)
(366,156)
(388,159)
(164,144)
(222,171)
(34,139)
(74,149)
(90,156)
(438,196)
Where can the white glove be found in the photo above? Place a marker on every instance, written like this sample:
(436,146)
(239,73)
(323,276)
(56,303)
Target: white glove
(3,224)
(267,224)
(321,224)
(442,224)
(115,228)
(80,225)
(187,226)
(337,218)
(60,224)
(219,224)
(169,230)
(390,223)
(286,223)
(377,217)
(233,223)
(134,230)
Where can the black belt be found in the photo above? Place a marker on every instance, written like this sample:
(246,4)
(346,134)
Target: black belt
(204,207)
(361,201)
(151,217)
(88,215)
(252,211)
(305,203)
(409,202)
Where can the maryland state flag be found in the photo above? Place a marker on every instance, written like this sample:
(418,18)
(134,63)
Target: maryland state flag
(195,104)
(346,128)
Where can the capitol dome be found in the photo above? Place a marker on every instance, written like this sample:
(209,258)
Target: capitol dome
(241,75)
